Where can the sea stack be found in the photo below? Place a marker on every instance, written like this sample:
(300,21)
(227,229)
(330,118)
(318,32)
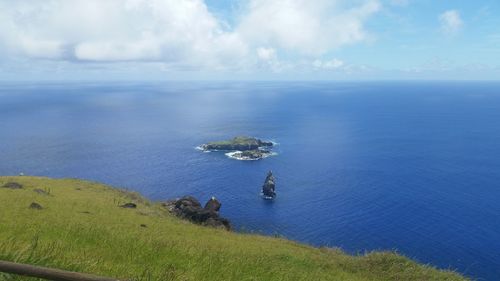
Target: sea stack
(268,189)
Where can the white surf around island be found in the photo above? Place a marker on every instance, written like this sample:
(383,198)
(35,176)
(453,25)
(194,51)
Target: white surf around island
(200,148)
(237,155)
(267,197)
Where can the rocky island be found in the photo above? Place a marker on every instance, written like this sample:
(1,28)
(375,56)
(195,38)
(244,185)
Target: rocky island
(242,148)
(269,187)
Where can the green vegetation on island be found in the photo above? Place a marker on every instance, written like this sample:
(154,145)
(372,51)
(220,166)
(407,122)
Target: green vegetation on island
(79,225)
(241,143)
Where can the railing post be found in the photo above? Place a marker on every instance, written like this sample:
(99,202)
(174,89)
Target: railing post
(48,273)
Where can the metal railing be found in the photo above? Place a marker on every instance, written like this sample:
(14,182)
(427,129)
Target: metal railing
(48,273)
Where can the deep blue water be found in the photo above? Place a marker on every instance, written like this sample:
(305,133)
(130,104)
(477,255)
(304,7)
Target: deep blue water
(406,166)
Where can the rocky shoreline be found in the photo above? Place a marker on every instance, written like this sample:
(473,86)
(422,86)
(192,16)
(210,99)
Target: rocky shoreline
(250,154)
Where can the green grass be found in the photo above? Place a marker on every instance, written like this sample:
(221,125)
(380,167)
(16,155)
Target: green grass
(81,228)
(240,140)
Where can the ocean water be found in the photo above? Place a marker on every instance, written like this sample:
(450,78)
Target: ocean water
(406,166)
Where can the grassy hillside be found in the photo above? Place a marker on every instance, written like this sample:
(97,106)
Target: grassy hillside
(81,228)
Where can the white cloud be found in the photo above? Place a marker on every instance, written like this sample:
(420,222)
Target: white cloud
(114,51)
(266,54)
(329,64)
(268,58)
(451,22)
(114,30)
(50,49)
(181,33)
(307,27)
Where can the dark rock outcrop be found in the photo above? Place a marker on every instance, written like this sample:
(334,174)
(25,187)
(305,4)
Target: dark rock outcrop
(269,187)
(129,205)
(187,201)
(213,205)
(13,185)
(35,206)
(189,208)
(169,205)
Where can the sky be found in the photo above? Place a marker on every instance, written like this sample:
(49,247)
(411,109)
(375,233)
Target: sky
(249,40)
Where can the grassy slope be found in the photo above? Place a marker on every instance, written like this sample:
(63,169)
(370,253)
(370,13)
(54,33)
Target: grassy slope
(82,229)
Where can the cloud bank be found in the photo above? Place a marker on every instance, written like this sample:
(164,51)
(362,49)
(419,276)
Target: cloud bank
(182,33)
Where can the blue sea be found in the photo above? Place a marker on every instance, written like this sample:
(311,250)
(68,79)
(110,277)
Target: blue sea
(406,166)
